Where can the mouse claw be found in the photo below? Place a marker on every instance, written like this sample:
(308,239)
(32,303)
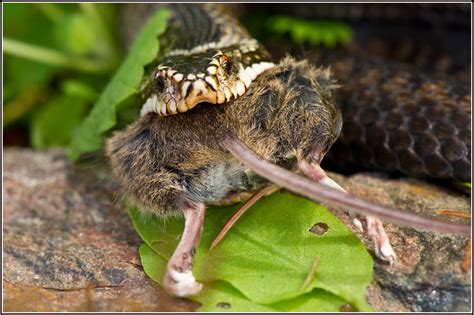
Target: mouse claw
(358,224)
(387,253)
(181,284)
(383,248)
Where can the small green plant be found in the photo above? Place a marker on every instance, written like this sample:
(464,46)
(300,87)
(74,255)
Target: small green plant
(327,33)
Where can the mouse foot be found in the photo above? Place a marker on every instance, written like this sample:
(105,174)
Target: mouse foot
(356,222)
(179,279)
(382,247)
(181,284)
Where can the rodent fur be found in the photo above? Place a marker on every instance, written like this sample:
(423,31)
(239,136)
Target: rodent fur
(164,163)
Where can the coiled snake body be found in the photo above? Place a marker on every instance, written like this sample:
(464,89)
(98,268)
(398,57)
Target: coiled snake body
(395,118)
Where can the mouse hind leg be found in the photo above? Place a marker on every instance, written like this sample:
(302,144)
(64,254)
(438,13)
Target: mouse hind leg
(179,279)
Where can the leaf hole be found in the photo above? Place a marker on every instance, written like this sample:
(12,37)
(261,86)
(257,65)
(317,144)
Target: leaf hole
(223,305)
(319,228)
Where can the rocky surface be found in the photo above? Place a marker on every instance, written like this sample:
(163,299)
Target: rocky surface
(70,246)
(430,273)
(68,243)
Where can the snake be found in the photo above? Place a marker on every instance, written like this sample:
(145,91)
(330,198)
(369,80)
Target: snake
(397,118)
(207,57)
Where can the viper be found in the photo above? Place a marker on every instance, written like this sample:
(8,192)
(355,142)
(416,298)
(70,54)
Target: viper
(207,56)
(397,119)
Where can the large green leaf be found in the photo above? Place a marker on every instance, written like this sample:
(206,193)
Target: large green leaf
(121,90)
(317,300)
(220,296)
(215,296)
(269,252)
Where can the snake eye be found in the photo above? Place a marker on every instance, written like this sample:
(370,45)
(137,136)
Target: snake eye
(228,65)
(159,84)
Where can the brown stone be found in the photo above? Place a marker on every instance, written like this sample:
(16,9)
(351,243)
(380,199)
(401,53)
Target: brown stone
(428,274)
(68,243)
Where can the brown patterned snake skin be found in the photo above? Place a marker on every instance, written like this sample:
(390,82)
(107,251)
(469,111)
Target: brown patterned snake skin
(408,116)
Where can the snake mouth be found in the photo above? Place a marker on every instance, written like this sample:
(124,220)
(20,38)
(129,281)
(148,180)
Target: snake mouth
(179,97)
(180,93)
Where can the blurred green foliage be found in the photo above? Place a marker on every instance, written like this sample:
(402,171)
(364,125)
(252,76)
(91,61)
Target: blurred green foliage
(122,90)
(284,28)
(57,59)
(326,33)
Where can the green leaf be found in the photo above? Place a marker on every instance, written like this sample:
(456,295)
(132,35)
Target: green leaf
(54,123)
(215,296)
(121,90)
(315,301)
(220,296)
(153,264)
(269,252)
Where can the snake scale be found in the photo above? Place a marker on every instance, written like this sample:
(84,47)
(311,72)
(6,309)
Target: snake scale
(397,119)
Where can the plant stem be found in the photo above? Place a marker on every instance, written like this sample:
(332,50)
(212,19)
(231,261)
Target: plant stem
(310,276)
(51,57)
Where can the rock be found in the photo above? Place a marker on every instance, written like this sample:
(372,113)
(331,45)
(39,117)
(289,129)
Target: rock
(428,275)
(68,243)
(70,246)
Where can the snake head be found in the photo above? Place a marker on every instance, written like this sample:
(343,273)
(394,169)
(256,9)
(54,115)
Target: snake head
(182,80)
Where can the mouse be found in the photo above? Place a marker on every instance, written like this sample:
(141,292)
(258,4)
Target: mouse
(287,120)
